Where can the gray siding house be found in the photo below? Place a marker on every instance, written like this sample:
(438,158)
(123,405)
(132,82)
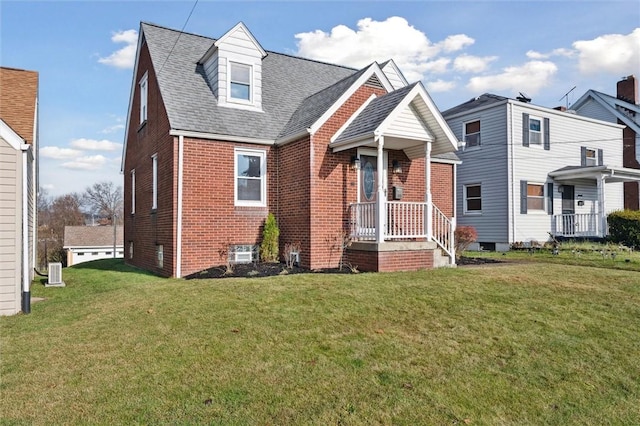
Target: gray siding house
(529,172)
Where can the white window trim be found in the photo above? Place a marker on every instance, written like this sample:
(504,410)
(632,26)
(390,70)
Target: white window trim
(133,191)
(231,99)
(144,97)
(544,199)
(464,135)
(263,177)
(466,211)
(541,143)
(154,202)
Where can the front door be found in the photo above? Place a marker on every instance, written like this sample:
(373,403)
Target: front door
(568,210)
(368,177)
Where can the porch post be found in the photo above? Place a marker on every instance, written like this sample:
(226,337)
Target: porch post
(428,198)
(602,222)
(381,211)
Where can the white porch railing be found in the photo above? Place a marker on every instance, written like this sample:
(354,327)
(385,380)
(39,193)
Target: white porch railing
(404,220)
(578,225)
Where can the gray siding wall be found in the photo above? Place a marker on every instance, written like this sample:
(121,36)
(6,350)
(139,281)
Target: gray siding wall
(487,166)
(593,109)
(568,133)
(10,228)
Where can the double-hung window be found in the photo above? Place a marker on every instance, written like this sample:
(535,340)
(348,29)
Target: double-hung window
(250,177)
(133,191)
(144,90)
(590,157)
(472,134)
(154,203)
(473,199)
(535,131)
(240,81)
(535,197)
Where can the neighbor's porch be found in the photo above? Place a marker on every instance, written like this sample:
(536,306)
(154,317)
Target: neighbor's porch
(593,224)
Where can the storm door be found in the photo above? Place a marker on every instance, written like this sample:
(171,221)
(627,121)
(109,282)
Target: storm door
(568,210)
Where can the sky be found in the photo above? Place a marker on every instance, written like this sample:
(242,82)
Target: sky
(84,52)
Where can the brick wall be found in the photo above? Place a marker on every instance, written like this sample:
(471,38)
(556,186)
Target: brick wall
(390,261)
(146,228)
(210,220)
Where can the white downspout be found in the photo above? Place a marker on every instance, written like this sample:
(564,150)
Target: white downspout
(511,170)
(26,290)
(381,197)
(454,223)
(428,197)
(179,212)
(601,201)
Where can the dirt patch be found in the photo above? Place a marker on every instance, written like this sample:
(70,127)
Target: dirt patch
(253,270)
(476,261)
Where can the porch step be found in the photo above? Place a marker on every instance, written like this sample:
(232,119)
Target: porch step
(441,260)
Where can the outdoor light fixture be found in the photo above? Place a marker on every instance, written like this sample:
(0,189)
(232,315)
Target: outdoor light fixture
(396,167)
(355,162)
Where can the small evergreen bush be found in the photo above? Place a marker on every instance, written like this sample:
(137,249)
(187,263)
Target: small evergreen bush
(624,227)
(270,238)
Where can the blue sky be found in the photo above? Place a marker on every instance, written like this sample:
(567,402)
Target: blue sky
(459,49)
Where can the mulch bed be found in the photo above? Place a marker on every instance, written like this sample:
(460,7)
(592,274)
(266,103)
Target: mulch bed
(253,270)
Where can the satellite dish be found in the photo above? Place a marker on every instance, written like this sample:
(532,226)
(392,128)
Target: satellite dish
(523,98)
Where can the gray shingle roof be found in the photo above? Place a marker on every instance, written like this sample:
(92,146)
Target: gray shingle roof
(482,100)
(374,114)
(191,105)
(92,236)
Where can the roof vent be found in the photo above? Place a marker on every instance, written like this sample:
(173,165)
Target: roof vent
(374,81)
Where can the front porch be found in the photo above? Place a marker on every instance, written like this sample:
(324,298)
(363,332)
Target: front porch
(402,227)
(585,225)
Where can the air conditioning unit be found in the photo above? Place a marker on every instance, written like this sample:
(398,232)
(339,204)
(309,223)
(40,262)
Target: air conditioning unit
(55,275)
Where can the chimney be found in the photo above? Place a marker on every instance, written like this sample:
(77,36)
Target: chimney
(627,89)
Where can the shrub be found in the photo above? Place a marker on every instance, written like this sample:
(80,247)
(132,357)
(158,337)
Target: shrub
(463,237)
(270,236)
(624,227)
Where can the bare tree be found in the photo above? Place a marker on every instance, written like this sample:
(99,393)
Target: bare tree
(53,216)
(105,200)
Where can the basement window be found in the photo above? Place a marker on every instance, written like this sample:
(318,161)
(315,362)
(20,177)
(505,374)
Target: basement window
(243,253)
(159,255)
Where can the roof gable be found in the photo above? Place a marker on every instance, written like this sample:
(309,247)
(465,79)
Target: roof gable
(407,116)
(245,34)
(626,112)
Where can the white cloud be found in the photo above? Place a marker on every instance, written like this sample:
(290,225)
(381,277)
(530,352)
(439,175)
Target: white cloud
(532,54)
(455,42)
(529,78)
(611,53)
(59,153)
(469,63)
(95,145)
(113,129)
(438,66)
(440,86)
(393,38)
(90,162)
(123,58)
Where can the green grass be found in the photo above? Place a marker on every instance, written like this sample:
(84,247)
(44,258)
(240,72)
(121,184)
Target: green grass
(516,344)
(611,256)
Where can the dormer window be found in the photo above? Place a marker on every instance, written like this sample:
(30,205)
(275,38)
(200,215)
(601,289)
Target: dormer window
(240,81)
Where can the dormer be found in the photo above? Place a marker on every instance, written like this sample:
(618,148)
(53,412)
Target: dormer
(233,66)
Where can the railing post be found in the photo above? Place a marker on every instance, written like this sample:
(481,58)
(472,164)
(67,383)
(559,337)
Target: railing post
(381,211)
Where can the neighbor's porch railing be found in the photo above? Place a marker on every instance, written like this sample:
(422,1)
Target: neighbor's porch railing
(578,225)
(403,220)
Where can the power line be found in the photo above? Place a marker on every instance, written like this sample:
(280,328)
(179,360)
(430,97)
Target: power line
(178,38)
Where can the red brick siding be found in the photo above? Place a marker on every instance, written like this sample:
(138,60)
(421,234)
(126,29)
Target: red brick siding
(210,220)
(442,190)
(390,261)
(333,184)
(146,228)
(293,202)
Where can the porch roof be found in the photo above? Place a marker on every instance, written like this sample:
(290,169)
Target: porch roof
(609,173)
(407,118)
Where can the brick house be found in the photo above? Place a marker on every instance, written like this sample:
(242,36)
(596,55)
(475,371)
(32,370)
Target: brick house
(221,132)
(18,187)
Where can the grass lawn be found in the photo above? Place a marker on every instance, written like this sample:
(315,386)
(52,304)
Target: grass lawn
(525,343)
